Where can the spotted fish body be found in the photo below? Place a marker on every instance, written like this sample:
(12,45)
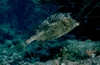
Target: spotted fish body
(54,27)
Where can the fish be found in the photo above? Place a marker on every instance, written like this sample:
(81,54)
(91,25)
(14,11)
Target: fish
(51,28)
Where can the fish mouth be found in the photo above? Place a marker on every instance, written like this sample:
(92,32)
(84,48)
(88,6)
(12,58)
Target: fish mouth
(77,23)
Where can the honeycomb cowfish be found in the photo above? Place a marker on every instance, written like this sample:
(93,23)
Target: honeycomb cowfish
(53,27)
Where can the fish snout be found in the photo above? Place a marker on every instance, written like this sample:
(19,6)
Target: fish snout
(77,23)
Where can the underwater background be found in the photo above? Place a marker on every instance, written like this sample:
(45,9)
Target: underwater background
(19,20)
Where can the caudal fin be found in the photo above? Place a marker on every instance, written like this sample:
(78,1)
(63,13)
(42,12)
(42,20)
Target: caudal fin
(20,46)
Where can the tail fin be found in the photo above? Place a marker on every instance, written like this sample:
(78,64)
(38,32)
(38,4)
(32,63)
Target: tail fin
(21,46)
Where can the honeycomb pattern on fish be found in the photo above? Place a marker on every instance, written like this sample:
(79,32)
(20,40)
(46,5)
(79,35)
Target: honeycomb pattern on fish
(54,27)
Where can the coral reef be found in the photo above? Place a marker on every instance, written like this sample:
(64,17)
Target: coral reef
(19,20)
